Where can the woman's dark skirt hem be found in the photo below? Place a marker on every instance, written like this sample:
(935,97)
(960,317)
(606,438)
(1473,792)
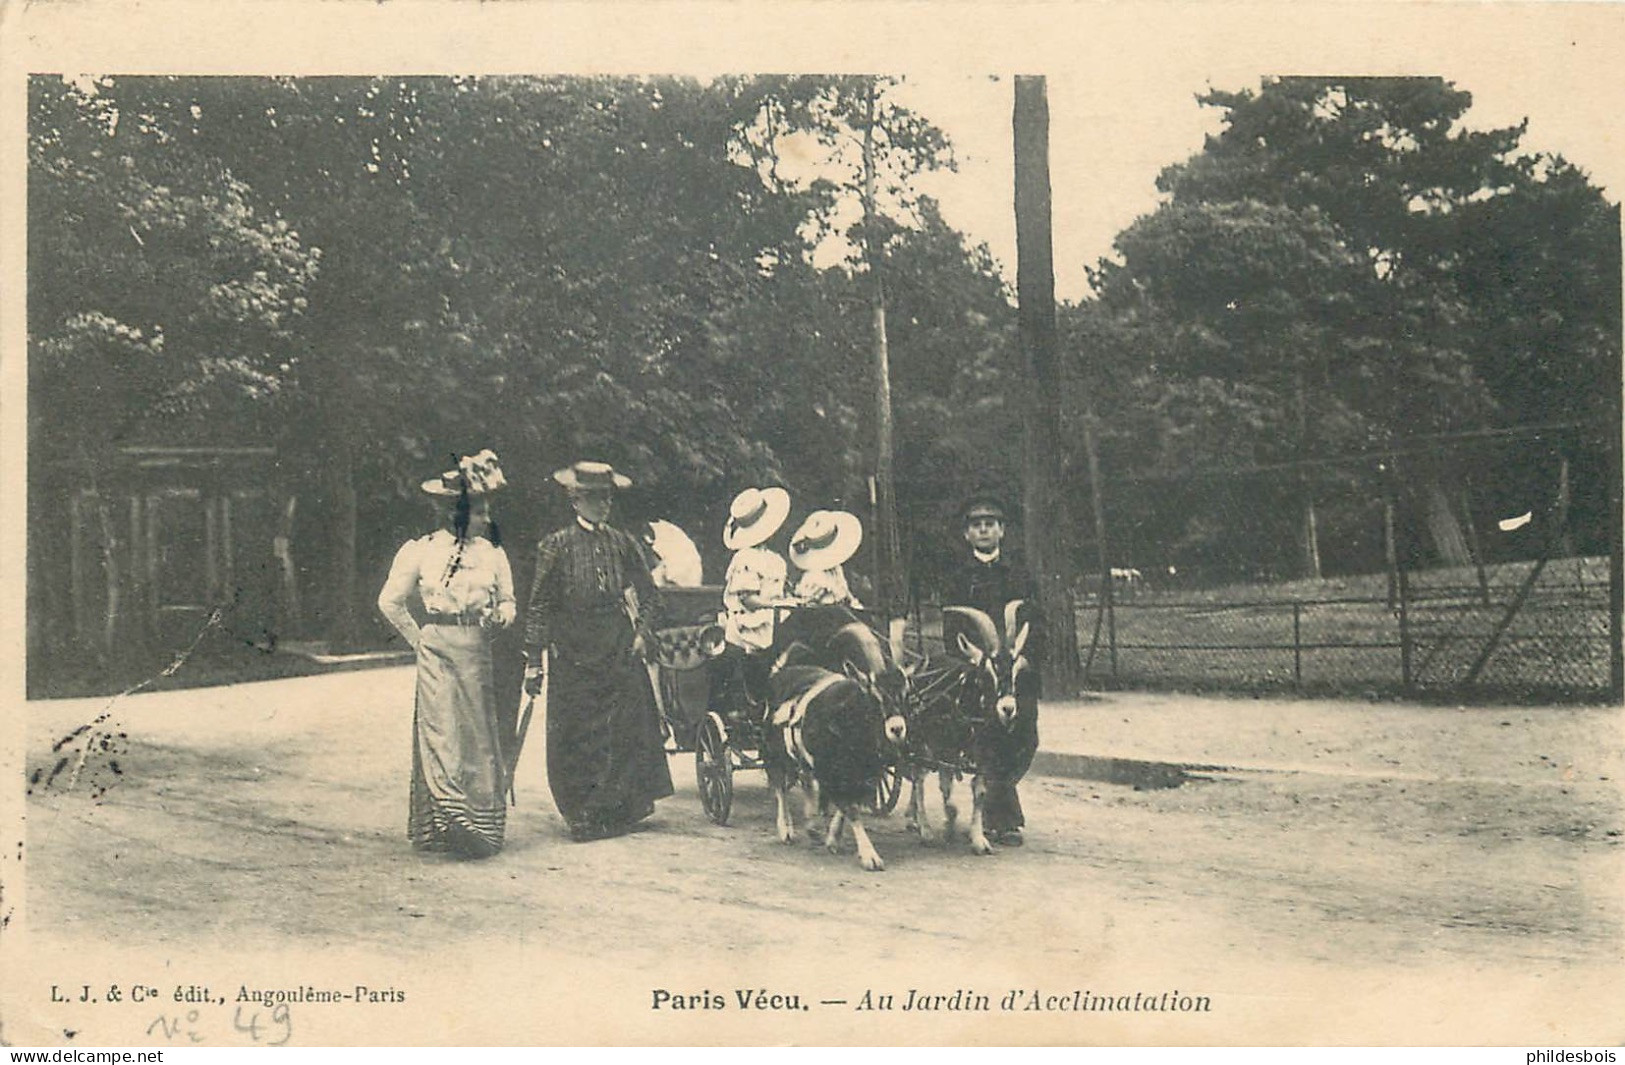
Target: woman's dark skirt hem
(606,764)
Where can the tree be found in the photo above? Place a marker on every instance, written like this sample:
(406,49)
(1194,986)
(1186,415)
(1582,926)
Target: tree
(1253,308)
(160,302)
(1379,157)
(957,385)
(154,285)
(1430,255)
(1049,551)
(552,267)
(560,250)
(881,145)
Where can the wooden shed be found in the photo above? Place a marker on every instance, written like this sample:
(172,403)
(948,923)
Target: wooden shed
(160,541)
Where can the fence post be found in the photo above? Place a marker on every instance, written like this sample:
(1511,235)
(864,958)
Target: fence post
(1097,499)
(1404,632)
(1111,628)
(1390,551)
(1297,645)
(1473,542)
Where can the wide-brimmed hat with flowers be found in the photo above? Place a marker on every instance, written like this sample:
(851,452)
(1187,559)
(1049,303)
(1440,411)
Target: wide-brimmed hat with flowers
(754,516)
(477,475)
(591,475)
(828,538)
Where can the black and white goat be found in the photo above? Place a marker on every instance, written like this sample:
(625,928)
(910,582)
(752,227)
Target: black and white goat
(834,637)
(828,731)
(968,723)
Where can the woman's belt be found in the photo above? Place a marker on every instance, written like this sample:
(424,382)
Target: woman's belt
(436,617)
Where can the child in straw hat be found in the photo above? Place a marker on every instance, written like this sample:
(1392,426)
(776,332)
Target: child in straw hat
(753,588)
(823,545)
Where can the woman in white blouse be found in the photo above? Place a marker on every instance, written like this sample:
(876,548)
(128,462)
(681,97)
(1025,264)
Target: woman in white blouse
(447,593)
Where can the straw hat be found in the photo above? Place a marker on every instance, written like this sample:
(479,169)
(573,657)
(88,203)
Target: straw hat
(591,475)
(475,474)
(754,516)
(826,540)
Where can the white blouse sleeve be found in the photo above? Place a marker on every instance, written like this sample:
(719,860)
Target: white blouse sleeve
(395,599)
(740,580)
(506,605)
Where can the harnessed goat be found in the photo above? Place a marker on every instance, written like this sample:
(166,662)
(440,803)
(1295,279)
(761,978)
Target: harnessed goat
(967,715)
(828,731)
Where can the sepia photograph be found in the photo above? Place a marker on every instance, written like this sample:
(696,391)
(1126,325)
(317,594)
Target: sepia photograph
(892,524)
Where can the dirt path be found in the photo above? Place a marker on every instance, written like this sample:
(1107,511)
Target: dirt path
(249,830)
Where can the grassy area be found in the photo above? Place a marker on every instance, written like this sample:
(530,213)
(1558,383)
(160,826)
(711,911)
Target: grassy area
(1582,575)
(212,663)
(1341,636)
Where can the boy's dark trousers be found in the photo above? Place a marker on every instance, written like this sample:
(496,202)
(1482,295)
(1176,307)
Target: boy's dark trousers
(1004,759)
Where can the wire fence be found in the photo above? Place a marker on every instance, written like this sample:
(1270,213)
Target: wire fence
(1526,631)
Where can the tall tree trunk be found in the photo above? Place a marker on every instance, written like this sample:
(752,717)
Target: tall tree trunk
(1390,552)
(342,575)
(1444,529)
(288,622)
(1565,535)
(108,631)
(1310,529)
(1311,534)
(1388,471)
(110,618)
(328,453)
(1047,525)
(888,555)
(1474,544)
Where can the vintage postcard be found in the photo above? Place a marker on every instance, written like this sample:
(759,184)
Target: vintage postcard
(811,523)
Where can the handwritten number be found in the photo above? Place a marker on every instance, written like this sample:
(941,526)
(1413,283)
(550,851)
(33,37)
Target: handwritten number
(253,1026)
(281,1018)
(279,1015)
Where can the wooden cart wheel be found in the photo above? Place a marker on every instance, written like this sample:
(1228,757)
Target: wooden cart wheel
(713,768)
(887,789)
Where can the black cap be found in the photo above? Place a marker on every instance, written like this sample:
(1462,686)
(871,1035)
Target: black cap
(982,504)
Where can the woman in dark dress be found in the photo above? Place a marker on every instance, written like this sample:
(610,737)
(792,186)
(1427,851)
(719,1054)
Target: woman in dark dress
(590,621)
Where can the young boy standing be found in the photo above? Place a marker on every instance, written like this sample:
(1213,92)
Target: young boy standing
(987,579)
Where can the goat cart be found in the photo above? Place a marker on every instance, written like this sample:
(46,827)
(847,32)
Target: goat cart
(707,708)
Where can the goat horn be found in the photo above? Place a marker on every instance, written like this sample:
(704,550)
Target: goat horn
(987,635)
(1012,611)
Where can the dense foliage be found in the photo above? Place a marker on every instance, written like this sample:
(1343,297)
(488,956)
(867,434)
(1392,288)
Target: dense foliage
(1344,271)
(375,273)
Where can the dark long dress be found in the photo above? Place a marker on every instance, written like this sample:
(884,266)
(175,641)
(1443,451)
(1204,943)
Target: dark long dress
(605,761)
(1004,759)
